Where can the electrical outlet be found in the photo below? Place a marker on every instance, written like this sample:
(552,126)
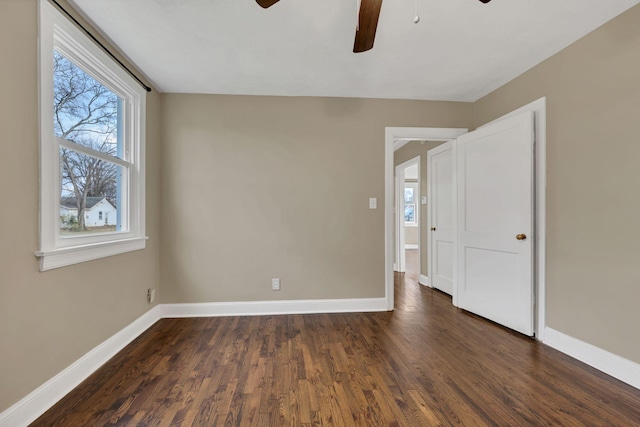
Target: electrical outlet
(151,295)
(275,284)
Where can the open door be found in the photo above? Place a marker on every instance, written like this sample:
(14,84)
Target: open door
(441,217)
(495,242)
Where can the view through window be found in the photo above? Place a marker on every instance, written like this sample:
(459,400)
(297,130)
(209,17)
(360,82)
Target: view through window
(409,206)
(87,119)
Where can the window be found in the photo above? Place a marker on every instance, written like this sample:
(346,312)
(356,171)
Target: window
(91,149)
(410,213)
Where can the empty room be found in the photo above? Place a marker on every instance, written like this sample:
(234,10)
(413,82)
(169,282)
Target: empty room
(336,212)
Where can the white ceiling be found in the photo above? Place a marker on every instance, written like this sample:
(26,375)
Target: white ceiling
(460,51)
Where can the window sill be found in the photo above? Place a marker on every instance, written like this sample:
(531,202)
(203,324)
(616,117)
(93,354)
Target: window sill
(63,257)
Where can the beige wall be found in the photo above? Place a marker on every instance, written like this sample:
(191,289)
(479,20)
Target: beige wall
(311,165)
(48,320)
(593,171)
(407,152)
(411,236)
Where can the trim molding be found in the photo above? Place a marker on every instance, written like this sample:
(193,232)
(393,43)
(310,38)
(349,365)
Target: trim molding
(36,403)
(424,280)
(261,308)
(48,394)
(618,367)
(62,257)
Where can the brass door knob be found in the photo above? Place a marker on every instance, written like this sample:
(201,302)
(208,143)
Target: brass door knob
(521,236)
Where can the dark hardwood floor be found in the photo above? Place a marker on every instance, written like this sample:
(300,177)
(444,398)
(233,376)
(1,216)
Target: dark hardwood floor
(425,364)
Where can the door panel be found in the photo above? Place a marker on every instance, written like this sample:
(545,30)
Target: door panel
(444,262)
(441,217)
(495,204)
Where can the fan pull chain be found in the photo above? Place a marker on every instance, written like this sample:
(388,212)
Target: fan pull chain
(416,18)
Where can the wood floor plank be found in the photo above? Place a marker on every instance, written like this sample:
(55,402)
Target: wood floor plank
(425,364)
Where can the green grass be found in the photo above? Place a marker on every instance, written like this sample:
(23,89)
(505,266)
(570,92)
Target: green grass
(89,230)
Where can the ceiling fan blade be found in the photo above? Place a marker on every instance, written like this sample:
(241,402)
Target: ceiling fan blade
(367,25)
(266,3)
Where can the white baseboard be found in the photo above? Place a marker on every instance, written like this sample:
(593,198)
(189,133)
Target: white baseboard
(260,308)
(411,246)
(618,367)
(48,394)
(44,397)
(424,280)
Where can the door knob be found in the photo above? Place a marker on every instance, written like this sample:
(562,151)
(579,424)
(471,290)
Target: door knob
(433,229)
(521,236)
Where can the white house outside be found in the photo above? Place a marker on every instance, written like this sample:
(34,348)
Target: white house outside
(98,213)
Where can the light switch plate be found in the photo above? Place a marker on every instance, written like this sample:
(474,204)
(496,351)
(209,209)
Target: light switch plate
(423,200)
(373,203)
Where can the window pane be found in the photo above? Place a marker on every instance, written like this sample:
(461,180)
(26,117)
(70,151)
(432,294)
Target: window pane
(408,195)
(410,213)
(91,194)
(84,111)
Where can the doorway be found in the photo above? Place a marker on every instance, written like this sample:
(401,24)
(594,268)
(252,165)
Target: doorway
(412,210)
(408,217)
(394,136)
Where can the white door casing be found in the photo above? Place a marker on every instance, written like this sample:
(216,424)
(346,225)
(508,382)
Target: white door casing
(441,217)
(399,217)
(495,193)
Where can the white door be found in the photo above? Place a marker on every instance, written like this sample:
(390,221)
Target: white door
(495,194)
(441,217)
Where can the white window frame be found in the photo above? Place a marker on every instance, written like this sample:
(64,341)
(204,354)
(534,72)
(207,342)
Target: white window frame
(57,32)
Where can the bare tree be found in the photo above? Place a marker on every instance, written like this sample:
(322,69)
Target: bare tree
(85,112)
